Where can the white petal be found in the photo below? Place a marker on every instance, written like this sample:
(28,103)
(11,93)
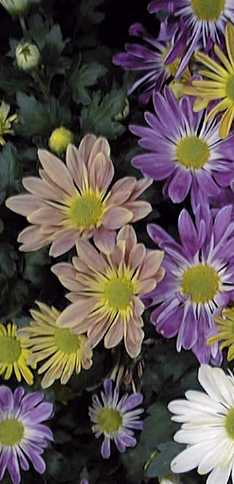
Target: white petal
(216,384)
(189,459)
(219,475)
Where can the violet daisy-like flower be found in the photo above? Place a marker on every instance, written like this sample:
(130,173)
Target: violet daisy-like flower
(23,435)
(148,59)
(184,149)
(199,279)
(74,200)
(200,23)
(116,418)
(106,291)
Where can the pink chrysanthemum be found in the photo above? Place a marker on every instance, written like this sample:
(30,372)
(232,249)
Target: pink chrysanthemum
(106,290)
(73,201)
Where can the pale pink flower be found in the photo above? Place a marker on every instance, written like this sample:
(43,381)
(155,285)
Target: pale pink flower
(74,200)
(106,290)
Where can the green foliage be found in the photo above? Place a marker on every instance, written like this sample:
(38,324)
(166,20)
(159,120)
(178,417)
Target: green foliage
(84,77)
(100,116)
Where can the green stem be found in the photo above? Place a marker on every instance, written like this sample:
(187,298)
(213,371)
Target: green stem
(23,25)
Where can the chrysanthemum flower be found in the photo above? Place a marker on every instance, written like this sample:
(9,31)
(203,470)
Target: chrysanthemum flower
(200,23)
(225,331)
(199,279)
(218,84)
(61,351)
(6,122)
(116,418)
(148,59)
(74,200)
(106,290)
(23,435)
(27,56)
(14,358)
(187,151)
(207,427)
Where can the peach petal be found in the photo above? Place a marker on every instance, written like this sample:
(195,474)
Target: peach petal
(72,297)
(77,167)
(118,198)
(23,204)
(101,172)
(139,209)
(101,145)
(133,338)
(139,307)
(136,256)
(160,274)
(115,334)
(41,188)
(90,256)
(30,235)
(57,171)
(141,186)
(64,270)
(146,286)
(97,329)
(152,263)
(76,313)
(116,217)
(61,193)
(127,234)
(45,215)
(105,240)
(65,241)
(126,184)
(86,146)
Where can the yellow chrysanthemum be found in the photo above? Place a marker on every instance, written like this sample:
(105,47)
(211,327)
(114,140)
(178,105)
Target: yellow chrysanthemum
(14,357)
(225,326)
(218,83)
(6,122)
(61,350)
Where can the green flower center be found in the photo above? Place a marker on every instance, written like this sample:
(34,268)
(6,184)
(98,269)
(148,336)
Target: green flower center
(229,423)
(10,349)
(192,152)
(201,283)
(209,10)
(109,420)
(86,210)
(230,87)
(118,293)
(66,341)
(11,432)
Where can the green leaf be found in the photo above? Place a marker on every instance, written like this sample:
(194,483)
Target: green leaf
(35,264)
(53,46)
(10,169)
(159,466)
(100,116)
(89,11)
(83,77)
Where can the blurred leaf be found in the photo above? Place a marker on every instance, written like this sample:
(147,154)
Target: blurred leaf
(89,11)
(10,169)
(160,465)
(35,266)
(83,77)
(100,116)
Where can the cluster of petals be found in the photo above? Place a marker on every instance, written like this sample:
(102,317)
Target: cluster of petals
(74,200)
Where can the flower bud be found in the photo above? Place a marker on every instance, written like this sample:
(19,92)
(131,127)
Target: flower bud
(171,479)
(60,139)
(27,56)
(15,7)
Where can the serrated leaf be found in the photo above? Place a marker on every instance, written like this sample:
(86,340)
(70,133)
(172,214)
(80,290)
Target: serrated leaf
(100,116)
(83,77)
(10,169)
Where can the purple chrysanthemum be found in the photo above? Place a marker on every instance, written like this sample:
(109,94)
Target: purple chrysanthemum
(199,279)
(200,23)
(184,149)
(148,59)
(116,418)
(23,437)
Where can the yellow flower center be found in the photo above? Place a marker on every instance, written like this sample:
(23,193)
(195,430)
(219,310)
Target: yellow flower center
(66,341)
(229,423)
(208,10)
(10,349)
(192,152)
(200,283)
(86,210)
(117,293)
(230,87)
(11,432)
(109,420)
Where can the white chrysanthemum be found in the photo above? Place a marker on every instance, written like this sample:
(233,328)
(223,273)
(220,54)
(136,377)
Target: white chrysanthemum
(207,427)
